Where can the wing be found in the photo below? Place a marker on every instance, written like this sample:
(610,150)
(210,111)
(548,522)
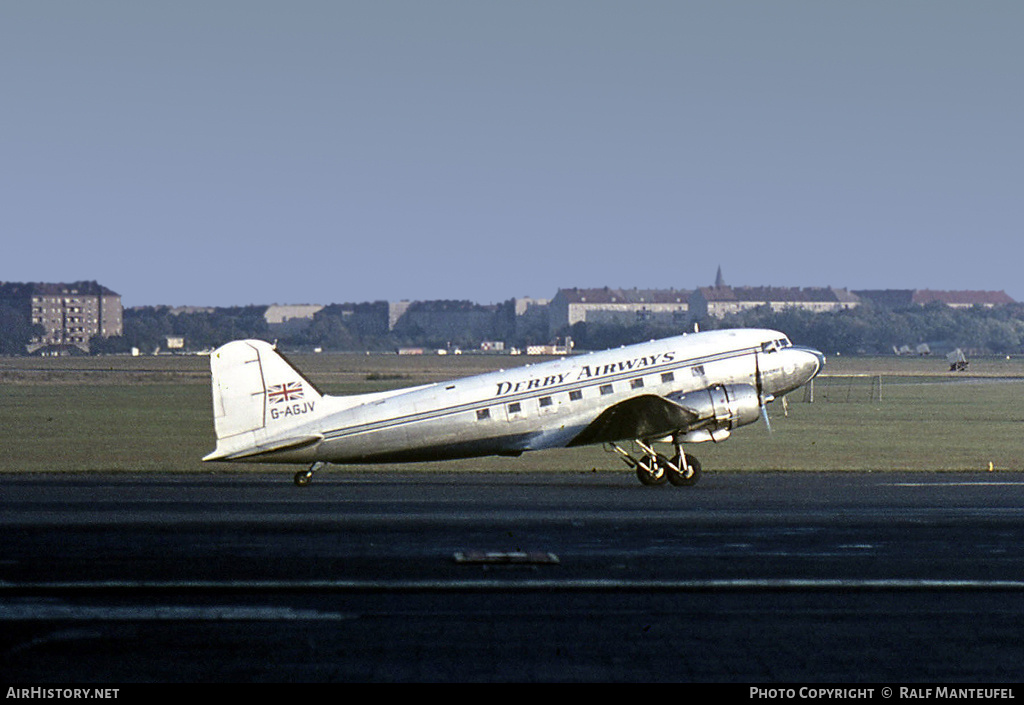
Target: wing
(647,416)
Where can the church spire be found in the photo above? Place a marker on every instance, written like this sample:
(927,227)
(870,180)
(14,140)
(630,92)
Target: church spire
(719,279)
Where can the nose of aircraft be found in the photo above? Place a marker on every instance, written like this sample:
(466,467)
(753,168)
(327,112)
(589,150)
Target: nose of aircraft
(794,367)
(812,362)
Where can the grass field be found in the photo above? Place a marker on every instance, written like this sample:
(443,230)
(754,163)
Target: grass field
(154,414)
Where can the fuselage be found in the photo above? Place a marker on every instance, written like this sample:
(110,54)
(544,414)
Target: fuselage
(540,406)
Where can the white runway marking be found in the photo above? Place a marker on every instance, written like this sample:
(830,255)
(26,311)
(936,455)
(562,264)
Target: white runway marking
(34,611)
(995,483)
(427,585)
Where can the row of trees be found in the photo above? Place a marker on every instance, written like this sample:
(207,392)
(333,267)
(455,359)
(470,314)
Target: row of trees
(335,327)
(148,328)
(364,326)
(16,329)
(867,329)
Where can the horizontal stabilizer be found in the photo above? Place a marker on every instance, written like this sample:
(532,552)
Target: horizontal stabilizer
(276,447)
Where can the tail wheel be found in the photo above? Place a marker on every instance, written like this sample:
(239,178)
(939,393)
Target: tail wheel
(304,477)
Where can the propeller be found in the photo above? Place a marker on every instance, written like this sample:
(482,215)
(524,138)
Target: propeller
(762,400)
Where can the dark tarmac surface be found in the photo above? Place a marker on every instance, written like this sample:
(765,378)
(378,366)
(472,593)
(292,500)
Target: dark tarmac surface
(421,576)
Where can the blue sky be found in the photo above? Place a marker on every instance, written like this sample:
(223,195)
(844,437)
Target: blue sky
(228,153)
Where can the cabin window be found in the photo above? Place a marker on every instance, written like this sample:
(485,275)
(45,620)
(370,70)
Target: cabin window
(668,377)
(483,414)
(697,370)
(576,395)
(606,389)
(515,407)
(636,384)
(545,401)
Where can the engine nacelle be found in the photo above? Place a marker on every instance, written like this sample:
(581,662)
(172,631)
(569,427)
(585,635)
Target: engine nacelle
(719,409)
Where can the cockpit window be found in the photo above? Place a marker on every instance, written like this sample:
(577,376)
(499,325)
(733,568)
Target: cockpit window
(774,345)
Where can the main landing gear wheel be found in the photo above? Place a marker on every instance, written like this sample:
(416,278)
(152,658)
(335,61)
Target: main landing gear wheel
(684,471)
(651,471)
(304,477)
(655,469)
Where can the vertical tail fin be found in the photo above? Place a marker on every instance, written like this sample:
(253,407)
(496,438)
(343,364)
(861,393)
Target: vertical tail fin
(257,396)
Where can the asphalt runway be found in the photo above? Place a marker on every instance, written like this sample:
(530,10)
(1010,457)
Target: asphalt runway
(517,577)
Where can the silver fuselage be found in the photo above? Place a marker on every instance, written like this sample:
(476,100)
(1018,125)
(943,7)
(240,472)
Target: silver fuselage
(544,405)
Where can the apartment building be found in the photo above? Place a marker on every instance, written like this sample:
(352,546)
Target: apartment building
(70,314)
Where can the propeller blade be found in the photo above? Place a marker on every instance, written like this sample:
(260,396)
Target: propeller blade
(761,401)
(757,375)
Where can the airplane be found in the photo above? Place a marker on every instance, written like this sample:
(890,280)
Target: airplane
(687,389)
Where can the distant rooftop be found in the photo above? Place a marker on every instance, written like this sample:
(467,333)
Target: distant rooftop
(85,288)
(776,293)
(606,295)
(909,297)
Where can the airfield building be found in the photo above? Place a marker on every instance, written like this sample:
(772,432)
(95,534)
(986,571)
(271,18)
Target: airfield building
(720,301)
(619,306)
(287,319)
(904,298)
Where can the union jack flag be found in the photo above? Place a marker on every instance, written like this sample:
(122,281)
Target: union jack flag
(280,393)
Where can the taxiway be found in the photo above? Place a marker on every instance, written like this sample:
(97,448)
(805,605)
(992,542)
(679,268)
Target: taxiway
(438,576)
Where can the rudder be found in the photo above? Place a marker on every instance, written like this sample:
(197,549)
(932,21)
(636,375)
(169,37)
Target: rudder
(255,388)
